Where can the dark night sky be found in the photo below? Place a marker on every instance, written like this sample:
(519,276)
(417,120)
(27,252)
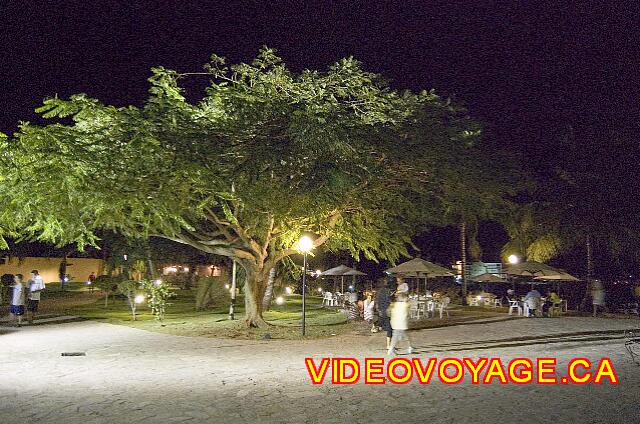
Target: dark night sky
(526,72)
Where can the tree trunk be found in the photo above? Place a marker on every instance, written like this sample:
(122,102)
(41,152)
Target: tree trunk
(463,254)
(585,300)
(268,295)
(255,288)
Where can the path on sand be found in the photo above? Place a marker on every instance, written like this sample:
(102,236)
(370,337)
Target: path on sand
(131,376)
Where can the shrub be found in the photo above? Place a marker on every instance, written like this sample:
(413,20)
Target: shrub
(158,292)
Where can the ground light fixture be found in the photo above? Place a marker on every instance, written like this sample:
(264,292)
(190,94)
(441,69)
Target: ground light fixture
(304,246)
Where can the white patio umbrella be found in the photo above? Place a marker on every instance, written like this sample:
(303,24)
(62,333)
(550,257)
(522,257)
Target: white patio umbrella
(539,272)
(489,278)
(418,267)
(341,271)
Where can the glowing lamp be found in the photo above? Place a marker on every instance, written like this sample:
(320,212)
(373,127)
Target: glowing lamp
(139,299)
(280,300)
(305,244)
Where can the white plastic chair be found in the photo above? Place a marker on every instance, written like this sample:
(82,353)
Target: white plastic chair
(414,309)
(514,305)
(444,306)
(328,299)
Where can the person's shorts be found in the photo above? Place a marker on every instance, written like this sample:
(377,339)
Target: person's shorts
(17,309)
(32,305)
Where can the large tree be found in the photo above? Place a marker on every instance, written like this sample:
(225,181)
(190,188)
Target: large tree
(265,156)
(586,200)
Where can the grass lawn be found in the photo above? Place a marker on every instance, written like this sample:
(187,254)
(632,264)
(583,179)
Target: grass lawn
(181,318)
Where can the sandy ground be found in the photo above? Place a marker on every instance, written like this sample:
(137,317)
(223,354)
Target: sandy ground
(133,376)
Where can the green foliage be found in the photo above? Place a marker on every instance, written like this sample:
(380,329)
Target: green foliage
(108,285)
(336,153)
(158,292)
(588,197)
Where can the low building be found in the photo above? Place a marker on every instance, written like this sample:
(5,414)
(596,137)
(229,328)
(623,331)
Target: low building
(78,269)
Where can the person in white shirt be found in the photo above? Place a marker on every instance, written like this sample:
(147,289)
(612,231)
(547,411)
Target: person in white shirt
(17,299)
(369,305)
(400,323)
(403,288)
(36,285)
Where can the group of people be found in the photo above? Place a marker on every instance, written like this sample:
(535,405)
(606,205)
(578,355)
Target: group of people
(393,314)
(534,301)
(25,294)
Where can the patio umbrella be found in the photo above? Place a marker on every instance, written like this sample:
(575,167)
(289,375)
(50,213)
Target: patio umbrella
(418,267)
(489,278)
(539,271)
(341,271)
(562,276)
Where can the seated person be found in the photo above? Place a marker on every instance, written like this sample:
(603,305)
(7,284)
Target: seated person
(532,300)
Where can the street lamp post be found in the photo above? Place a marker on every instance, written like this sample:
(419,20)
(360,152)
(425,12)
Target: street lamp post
(233,291)
(304,245)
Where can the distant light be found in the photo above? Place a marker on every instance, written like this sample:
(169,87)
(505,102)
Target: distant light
(320,289)
(139,298)
(350,287)
(66,279)
(479,298)
(513,259)
(88,283)
(288,290)
(157,283)
(280,300)
(226,286)
(186,269)
(305,244)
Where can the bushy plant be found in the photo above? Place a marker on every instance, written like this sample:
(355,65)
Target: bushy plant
(158,292)
(108,285)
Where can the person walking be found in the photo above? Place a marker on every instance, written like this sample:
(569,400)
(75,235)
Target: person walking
(400,323)
(382,303)
(369,306)
(36,285)
(17,300)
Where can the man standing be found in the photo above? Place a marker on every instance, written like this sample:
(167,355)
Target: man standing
(382,302)
(36,285)
(91,281)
